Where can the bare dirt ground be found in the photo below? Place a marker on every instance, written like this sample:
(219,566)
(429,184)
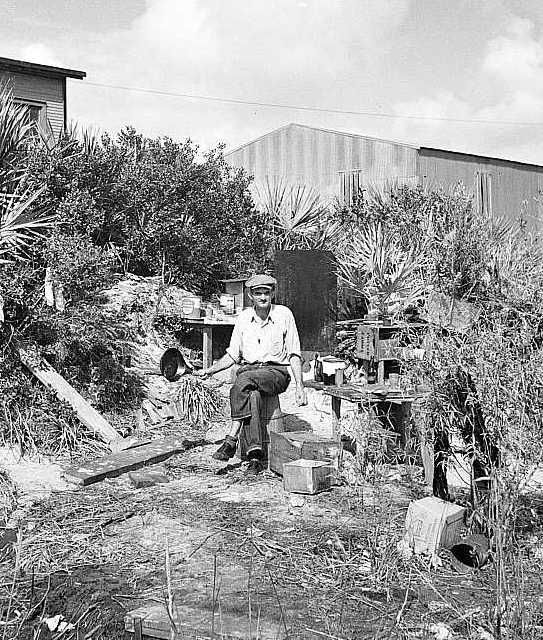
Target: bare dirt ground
(240,556)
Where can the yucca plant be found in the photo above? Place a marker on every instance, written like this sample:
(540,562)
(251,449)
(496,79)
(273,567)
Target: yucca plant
(14,130)
(21,223)
(298,215)
(21,220)
(372,263)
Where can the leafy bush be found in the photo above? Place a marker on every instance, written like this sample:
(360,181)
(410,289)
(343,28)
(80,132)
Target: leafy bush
(87,346)
(82,267)
(157,207)
(152,207)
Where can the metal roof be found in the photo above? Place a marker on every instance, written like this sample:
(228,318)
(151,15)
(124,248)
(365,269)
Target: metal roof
(341,133)
(20,66)
(475,156)
(419,148)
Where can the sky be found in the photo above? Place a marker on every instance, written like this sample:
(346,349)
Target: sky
(465,75)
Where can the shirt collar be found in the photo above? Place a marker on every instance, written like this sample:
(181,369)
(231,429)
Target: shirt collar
(255,318)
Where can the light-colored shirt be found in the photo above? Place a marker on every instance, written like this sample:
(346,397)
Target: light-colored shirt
(274,339)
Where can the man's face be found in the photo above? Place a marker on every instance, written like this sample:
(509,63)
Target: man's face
(261,297)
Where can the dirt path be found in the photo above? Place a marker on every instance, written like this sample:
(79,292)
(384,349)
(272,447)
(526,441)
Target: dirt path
(239,557)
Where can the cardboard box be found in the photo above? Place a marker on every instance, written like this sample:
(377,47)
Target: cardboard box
(295,445)
(432,523)
(307,476)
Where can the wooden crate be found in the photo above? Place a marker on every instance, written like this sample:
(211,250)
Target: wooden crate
(307,476)
(294,445)
(432,523)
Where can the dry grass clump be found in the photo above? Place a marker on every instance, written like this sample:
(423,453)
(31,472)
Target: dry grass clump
(197,402)
(7,496)
(46,426)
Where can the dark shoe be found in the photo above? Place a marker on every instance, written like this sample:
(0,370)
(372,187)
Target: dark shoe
(227,450)
(254,467)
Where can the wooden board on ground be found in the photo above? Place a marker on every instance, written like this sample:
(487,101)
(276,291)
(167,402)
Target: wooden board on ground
(115,464)
(64,391)
(295,445)
(193,622)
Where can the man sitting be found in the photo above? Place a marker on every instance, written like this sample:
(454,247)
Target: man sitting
(264,341)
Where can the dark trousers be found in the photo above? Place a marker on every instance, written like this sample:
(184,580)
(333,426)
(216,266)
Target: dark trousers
(245,398)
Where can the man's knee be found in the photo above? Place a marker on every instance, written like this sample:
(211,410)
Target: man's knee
(242,384)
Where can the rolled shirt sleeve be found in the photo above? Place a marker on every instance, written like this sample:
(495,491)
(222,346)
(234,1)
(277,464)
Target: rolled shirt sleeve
(234,348)
(292,339)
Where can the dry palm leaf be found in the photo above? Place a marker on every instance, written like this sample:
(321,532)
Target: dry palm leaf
(20,224)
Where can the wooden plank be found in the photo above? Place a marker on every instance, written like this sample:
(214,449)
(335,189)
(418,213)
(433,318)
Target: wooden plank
(195,622)
(207,346)
(65,392)
(115,464)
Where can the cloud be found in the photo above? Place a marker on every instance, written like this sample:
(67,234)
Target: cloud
(516,58)
(40,53)
(307,52)
(510,69)
(312,53)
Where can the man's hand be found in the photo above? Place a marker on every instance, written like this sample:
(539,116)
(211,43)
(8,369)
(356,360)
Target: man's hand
(201,373)
(301,396)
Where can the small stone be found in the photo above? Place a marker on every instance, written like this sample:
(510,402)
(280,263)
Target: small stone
(148,477)
(297,501)
(441,631)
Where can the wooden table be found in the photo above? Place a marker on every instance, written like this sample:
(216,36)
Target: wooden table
(369,395)
(206,326)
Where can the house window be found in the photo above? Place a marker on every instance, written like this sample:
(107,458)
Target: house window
(36,113)
(483,192)
(350,186)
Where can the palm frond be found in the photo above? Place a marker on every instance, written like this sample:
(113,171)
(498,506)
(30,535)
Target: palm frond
(296,212)
(14,127)
(21,223)
(372,263)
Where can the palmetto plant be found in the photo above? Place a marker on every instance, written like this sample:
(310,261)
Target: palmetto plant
(298,215)
(21,220)
(21,223)
(14,129)
(372,262)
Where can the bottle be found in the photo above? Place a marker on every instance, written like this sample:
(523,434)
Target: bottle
(317,369)
(372,371)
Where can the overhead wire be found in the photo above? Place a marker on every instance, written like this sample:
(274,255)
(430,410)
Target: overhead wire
(277,105)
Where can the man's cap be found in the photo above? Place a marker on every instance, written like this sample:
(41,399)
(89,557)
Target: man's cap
(261,280)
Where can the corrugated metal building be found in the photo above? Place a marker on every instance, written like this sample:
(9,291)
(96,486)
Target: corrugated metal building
(43,89)
(337,164)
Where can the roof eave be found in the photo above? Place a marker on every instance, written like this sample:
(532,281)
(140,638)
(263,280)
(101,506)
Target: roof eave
(21,66)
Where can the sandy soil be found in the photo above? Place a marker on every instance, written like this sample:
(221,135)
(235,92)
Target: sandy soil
(238,556)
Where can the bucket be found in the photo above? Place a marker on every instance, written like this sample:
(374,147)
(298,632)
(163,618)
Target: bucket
(191,306)
(173,364)
(472,551)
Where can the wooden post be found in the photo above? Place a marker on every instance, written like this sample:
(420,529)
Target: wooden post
(207,346)
(336,415)
(381,372)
